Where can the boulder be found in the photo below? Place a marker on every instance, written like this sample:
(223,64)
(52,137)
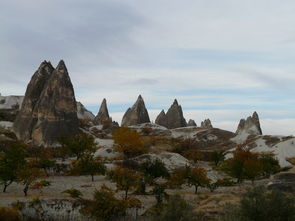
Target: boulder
(103,114)
(206,124)
(175,117)
(191,123)
(137,114)
(250,126)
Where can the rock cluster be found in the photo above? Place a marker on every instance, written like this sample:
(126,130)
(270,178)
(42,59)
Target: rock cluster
(191,123)
(137,114)
(83,113)
(103,114)
(49,108)
(250,126)
(206,124)
(173,118)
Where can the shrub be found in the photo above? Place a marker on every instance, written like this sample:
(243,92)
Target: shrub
(9,214)
(258,204)
(74,193)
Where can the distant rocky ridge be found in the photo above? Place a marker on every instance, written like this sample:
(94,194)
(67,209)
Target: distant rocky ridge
(83,113)
(49,108)
(162,119)
(137,114)
(103,114)
(250,126)
(206,124)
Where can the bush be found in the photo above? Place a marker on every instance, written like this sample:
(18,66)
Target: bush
(176,209)
(262,205)
(9,214)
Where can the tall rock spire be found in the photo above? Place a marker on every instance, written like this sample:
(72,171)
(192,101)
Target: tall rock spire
(103,113)
(250,126)
(175,117)
(206,124)
(54,109)
(137,114)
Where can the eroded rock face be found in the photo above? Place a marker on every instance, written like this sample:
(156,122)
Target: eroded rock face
(103,114)
(250,126)
(83,113)
(191,123)
(206,124)
(49,109)
(27,117)
(175,117)
(137,114)
(161,119)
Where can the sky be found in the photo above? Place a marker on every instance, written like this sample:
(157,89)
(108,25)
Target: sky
(221,59)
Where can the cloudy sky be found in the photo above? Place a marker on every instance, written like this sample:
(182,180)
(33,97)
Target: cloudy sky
(222,59)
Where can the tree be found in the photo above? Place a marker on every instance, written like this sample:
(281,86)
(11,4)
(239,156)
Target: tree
(78,145)
(197,177)
(104,206)
(176,209)
(28,175)
(269,164)
(44,161)
(258,204)
(11,161)
(129,142)
(151,170)
(88,165)
(124,178)
(217,157)
(243,165)
(160,193)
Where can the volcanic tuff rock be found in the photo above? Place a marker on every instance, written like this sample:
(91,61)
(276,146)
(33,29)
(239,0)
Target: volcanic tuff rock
(250,126)
(49,109)
(137,114)
(191,123)
(103,114)
(175,117)
(206,124)
(83,113)
(162,119)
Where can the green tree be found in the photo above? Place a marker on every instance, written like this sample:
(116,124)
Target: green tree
(74,193)
(125,179)
(217,157)
(129,142)
(269,164)
(88,165)
(258,204)
(78,145)
(11,161)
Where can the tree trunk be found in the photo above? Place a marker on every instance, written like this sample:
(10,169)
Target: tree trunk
(92,177)
(126,194)
(26,189)
(6,185)
(196,189)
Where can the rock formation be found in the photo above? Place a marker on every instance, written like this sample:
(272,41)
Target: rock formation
(175,117)
(206,124)
(137,114)
(191,123)
(103,114)
(83,113)
(162,119)
(250,126)
(49,109)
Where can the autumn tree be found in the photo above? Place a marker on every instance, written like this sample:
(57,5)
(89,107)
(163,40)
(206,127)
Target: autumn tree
(88,165)
(243,165)
(129,142)
(9,214)
(104,206)
(217,157)
(11,161)
(27,175)
(125,179)
(78,145)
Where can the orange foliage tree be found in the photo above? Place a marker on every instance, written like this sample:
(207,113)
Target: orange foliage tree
(129,142)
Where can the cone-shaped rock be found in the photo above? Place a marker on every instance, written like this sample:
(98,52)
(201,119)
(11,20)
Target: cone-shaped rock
(191,123)
(175,117)
(25,120)
(103,113)
(49,109)
(137,114)
(250,126)
(206,124)
(162,119)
